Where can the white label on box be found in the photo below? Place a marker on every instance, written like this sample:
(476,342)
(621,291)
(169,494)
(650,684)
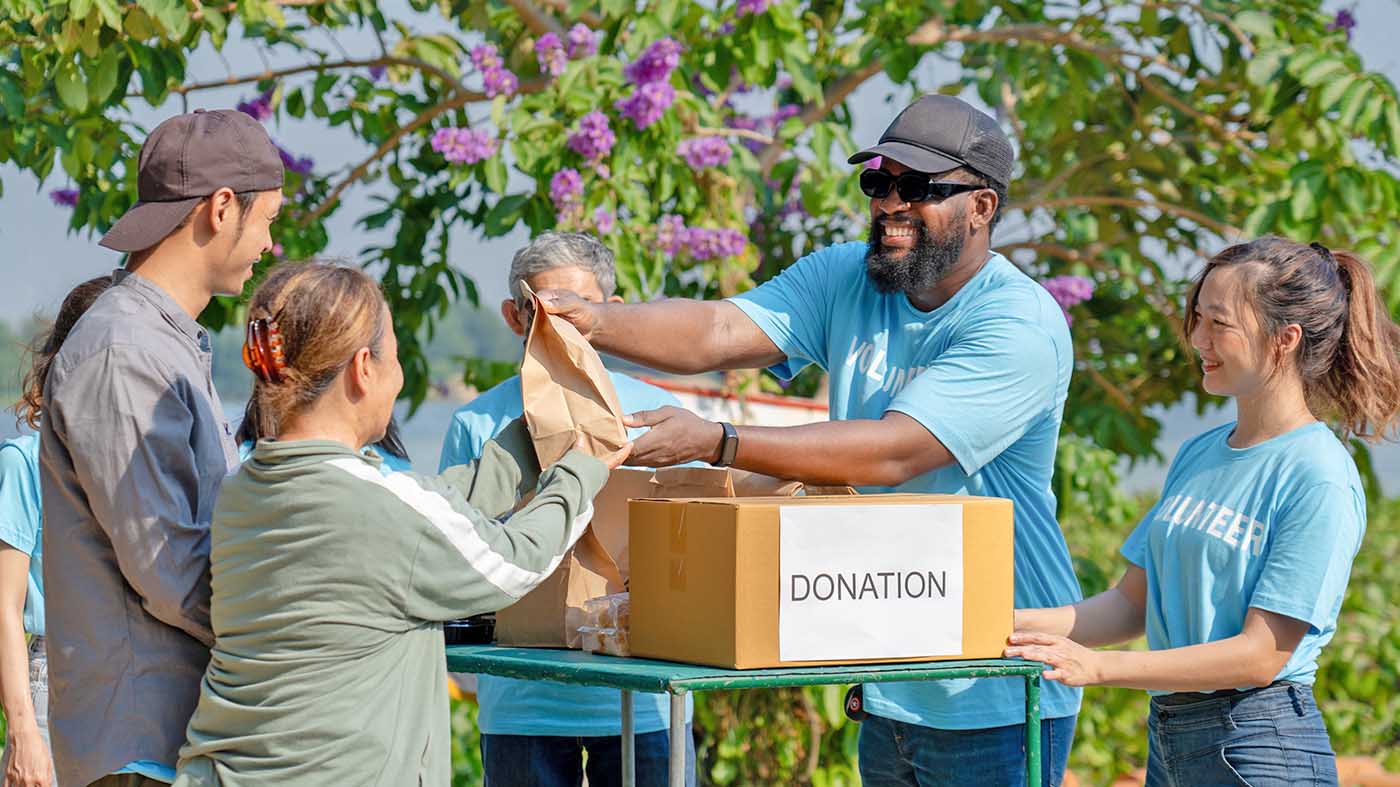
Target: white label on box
(870,582)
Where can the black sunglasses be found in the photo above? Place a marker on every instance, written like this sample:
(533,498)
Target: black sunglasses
(912,186)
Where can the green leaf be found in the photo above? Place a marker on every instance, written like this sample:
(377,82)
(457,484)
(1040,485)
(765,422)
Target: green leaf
(11,98)
(69,84)
(494,172)
(504,215)
(294,101)
(1353,102)
(1332,92)
(1257,24)
(104,80)
(1392,123)
(1306,196)
(1263,66)
(1321,71)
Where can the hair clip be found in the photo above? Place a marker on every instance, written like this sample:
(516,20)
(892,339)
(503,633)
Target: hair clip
(262,350)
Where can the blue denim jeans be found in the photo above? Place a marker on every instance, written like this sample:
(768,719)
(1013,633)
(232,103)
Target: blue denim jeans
(1272,737)
(896,754)
(557,761)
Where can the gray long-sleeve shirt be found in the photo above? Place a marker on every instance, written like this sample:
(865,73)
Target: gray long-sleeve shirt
(133,451)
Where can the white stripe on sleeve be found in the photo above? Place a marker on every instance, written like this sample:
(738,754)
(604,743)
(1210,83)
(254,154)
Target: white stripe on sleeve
(459,530)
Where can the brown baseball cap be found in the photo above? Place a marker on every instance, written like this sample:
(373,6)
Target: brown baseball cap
(187,158)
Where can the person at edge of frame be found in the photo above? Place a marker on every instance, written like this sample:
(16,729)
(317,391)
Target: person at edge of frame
(1237,574)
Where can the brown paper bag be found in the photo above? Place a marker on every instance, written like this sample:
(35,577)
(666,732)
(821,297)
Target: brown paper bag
(549,615)
(567,393)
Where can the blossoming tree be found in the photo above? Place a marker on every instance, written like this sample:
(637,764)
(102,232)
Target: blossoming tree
(704,142)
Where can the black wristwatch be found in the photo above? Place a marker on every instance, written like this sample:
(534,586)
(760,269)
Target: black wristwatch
(729,447)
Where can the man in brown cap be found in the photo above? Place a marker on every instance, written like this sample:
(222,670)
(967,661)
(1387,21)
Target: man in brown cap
(948,374)
(134,448)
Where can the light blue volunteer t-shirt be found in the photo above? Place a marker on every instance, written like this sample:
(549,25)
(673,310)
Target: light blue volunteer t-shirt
(524,707)
(1273,526)
(987,374)
(21,525)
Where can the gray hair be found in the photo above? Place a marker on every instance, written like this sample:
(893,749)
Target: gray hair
(563,250)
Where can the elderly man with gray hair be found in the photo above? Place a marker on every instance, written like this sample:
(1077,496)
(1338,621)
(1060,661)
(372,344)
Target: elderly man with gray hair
(534,734)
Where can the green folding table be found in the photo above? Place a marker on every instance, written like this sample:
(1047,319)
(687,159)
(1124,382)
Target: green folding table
(675,679)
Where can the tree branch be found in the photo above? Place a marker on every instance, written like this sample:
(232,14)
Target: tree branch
(1219,227)
(935,32)
(535,19)
(428,68)
(457,101)
(835,94)
(705,131)
(1209,121)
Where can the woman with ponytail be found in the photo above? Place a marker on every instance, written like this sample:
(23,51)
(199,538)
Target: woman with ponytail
(1238,572)
(330,580)
(24,672)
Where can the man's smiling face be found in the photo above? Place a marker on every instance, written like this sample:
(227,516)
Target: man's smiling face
(913,245)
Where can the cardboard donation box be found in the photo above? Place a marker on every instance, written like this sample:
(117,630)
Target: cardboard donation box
(600,563)
(766,582)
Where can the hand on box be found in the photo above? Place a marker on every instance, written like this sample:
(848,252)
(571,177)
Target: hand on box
(674,436)
(1070,663)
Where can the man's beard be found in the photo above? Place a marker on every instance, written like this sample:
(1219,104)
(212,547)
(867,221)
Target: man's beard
(921,267)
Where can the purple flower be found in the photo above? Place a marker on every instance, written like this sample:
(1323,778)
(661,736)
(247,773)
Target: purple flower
(302,165)
(671,234)
(565,188)
(709,244)
(485,57)
(464,145)
(1345,20)
(747,7)
(604,221)
(784,82)
(784,112)
(647,103)
(594,138)
(64,198)
(260,108)
(583,42)
(549,51)
(702,152)
(655,64)
(500,82)
(748,124)
(497,80)
(1069,291)
(276,250)
(377,73)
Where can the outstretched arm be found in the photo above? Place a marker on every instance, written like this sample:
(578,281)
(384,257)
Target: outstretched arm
(1251,658)
(675,335)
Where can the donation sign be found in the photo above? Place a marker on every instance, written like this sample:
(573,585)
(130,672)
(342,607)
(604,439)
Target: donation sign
(870,582)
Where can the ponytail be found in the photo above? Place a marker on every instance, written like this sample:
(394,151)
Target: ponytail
(1349,355)
(41,352)
(305,322)
(1363,383)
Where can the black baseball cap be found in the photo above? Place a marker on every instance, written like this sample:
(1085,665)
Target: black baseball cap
(187,158)
(937,133)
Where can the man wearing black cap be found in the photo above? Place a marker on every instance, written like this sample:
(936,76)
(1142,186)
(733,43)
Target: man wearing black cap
(948,369)
(134,448)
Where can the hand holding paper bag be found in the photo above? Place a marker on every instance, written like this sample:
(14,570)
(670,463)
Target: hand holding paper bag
(568,395)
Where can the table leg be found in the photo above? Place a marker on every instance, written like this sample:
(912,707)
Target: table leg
(629,742)
(1033,731)
(678,747)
